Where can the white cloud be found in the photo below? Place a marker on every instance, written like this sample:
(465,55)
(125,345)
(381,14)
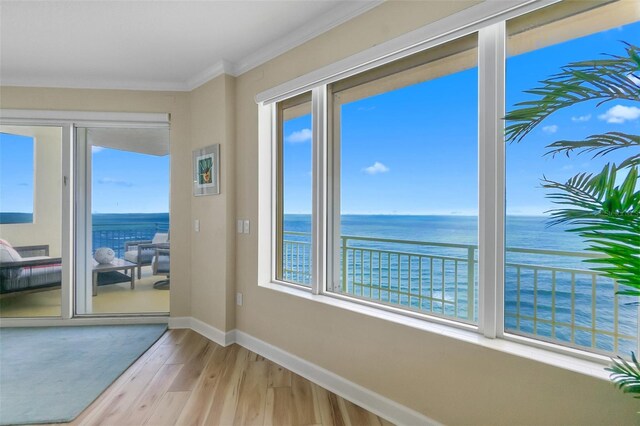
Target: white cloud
(376,168)
(550,129)
(96,149)
(112,181)
(581,118)
(303,135)
(620,113)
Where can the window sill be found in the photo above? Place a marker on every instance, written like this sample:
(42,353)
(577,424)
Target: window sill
(568,359)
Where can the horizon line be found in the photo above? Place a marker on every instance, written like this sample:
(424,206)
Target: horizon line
(424,214)
(343,214)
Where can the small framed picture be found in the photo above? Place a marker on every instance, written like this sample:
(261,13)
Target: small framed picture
(206,170)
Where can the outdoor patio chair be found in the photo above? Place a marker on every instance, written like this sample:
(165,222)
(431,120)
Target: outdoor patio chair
(28,268)
(141,252)
(161,266)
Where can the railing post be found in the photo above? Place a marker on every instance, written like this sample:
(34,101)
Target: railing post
(471,267)
(344,264)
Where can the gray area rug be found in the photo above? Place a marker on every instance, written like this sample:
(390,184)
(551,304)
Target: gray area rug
(51,374)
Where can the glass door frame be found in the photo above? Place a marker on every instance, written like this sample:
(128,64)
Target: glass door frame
(27,119)
(73,200)
(83,296)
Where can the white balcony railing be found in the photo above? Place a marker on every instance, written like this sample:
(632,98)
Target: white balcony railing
(550,295)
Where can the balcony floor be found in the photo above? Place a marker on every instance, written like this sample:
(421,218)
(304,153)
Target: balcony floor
(115,298)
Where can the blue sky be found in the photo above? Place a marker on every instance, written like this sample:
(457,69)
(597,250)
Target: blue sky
(123,182)
(16,173)
(129,182)
(414,150)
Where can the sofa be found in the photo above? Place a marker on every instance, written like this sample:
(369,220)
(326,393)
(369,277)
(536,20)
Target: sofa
(28,268)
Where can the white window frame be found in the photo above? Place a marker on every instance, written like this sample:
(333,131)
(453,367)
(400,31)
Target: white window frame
(33,183)
(489,21)
(31,118)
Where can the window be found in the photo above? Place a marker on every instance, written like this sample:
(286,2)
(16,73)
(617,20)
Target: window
(425,206)
(405,151)
(553,289)
(294,196)
(16,178)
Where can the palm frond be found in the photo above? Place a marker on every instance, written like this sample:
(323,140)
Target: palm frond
(632,161)
(597,145)
(625,375)
(602,79)
(606,216)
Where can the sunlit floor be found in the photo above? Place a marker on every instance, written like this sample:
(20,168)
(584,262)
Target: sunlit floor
(111,299)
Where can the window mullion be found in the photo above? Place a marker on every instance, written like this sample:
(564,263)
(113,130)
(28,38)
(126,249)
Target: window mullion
(334,240)
(499,205)
(319,190)
(491,179)
(66,307)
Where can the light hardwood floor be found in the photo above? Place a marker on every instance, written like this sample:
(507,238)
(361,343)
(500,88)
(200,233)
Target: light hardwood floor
(186,379)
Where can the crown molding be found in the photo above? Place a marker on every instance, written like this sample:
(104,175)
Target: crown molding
(104,84)
(215,70)
(339,15)
(306,32)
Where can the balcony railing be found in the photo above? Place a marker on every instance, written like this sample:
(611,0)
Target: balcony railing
(114,235)
(549,294)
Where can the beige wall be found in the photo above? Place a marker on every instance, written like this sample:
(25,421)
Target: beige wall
(47,197)
(212,249)
(448,380)
(177,104)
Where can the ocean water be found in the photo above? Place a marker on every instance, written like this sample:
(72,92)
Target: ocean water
(124,219)
(101,219)
(110,229)
(7,218)
(114,230)
(552,296)
(521,231)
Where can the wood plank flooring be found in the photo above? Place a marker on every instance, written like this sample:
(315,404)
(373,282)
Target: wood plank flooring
(186,379)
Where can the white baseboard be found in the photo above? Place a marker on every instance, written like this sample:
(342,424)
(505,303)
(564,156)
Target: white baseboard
(179,322)
(359,395)
(211,333)
(206,330)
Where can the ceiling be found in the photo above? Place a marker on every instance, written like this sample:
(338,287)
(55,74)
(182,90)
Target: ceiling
(154,45)
(145,141)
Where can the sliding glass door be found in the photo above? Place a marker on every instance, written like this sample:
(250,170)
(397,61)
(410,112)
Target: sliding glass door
(123,225)
(33,237)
